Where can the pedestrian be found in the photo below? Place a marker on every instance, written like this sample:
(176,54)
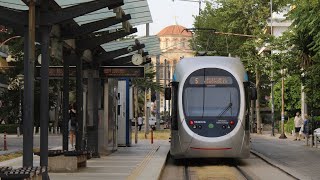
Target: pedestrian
(306,128)
(72,124)
(297,124)
(140,122)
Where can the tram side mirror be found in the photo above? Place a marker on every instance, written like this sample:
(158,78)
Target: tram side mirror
(167,93)
(253,93)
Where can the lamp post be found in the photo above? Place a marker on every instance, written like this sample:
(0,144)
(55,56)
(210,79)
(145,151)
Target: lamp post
(282,136)
(272,81)
(199,1)
(5,41)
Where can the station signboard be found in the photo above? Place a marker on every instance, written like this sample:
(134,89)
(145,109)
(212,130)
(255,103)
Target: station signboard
(56,72)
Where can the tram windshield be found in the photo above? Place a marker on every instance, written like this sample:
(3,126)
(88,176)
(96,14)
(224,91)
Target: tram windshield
(211,92)
(211,101)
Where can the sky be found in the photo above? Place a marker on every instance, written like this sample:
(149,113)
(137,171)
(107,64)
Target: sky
(165,13)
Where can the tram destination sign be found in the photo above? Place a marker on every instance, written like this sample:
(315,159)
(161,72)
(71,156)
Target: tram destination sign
(56,72)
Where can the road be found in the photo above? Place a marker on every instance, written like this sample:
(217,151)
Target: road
(15,143)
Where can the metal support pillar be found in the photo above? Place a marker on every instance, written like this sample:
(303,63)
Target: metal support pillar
(165,85)
(44,94)
(28,106)
(65,121)
(283,135)
(79,101)
(95,116)
(169,102)
(158,92)
(272,108)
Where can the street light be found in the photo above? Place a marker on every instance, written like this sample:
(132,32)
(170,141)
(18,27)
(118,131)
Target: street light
(199,1)
(272,81)
(282,136)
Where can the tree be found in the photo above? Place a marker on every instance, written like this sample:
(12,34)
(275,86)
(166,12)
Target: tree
(11,97)
(247,17)
(305,39)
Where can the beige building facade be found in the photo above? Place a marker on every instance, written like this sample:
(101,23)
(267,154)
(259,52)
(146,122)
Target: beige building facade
(175,44)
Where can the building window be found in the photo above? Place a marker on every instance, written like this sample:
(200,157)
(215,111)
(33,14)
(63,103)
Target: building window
(183,44)
(167,43)
(161,102)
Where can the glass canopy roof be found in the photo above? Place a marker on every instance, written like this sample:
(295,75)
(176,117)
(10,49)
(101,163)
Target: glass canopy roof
(138,9)
(151,45)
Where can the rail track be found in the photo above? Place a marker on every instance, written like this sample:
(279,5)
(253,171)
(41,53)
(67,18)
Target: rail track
(223,169)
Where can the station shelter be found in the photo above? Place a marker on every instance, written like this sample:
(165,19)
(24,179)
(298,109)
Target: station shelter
(93,42)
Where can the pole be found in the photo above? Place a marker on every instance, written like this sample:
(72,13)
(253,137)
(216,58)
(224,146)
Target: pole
(146,128)
(169,104)
(199,7)
(5,148)
(271,20)
(28,107)
(65,121)
(44,101)
(165,85)
(158,91)
(282,136)
(272,83)
(272,107)
(79,99)
(135,95)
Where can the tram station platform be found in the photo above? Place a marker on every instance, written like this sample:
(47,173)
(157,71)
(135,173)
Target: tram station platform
(140,161)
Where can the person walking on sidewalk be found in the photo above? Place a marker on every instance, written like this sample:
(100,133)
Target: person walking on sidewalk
(72,124)
(140,122)
(306,129)
(297,124)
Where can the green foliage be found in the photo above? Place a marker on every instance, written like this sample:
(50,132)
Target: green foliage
(292,93)
(11,98)
(289,125)
(8,128)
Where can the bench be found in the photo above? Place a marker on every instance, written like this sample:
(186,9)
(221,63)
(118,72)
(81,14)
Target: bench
(68,161)
(29,173)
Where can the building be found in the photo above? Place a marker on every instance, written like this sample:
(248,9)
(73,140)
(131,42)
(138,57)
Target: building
(175,43)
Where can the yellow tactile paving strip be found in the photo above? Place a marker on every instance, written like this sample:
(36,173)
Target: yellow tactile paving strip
(138,170)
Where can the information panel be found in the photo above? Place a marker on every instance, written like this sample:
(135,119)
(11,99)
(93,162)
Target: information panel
(210,80)
(121,71)
(56,72)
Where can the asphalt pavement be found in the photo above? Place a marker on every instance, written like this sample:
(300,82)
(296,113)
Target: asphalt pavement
(14,143)
(293,156)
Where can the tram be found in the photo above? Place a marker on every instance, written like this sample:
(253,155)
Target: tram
(210,98)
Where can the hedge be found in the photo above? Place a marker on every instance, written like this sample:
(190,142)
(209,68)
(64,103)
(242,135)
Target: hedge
(9,128)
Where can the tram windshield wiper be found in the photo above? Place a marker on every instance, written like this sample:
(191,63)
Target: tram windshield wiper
(225,109)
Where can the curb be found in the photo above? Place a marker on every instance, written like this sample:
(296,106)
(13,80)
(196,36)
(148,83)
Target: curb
(275,164)
(164,164)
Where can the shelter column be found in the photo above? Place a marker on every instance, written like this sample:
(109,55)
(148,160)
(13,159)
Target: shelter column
(79,101)
(28,107)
